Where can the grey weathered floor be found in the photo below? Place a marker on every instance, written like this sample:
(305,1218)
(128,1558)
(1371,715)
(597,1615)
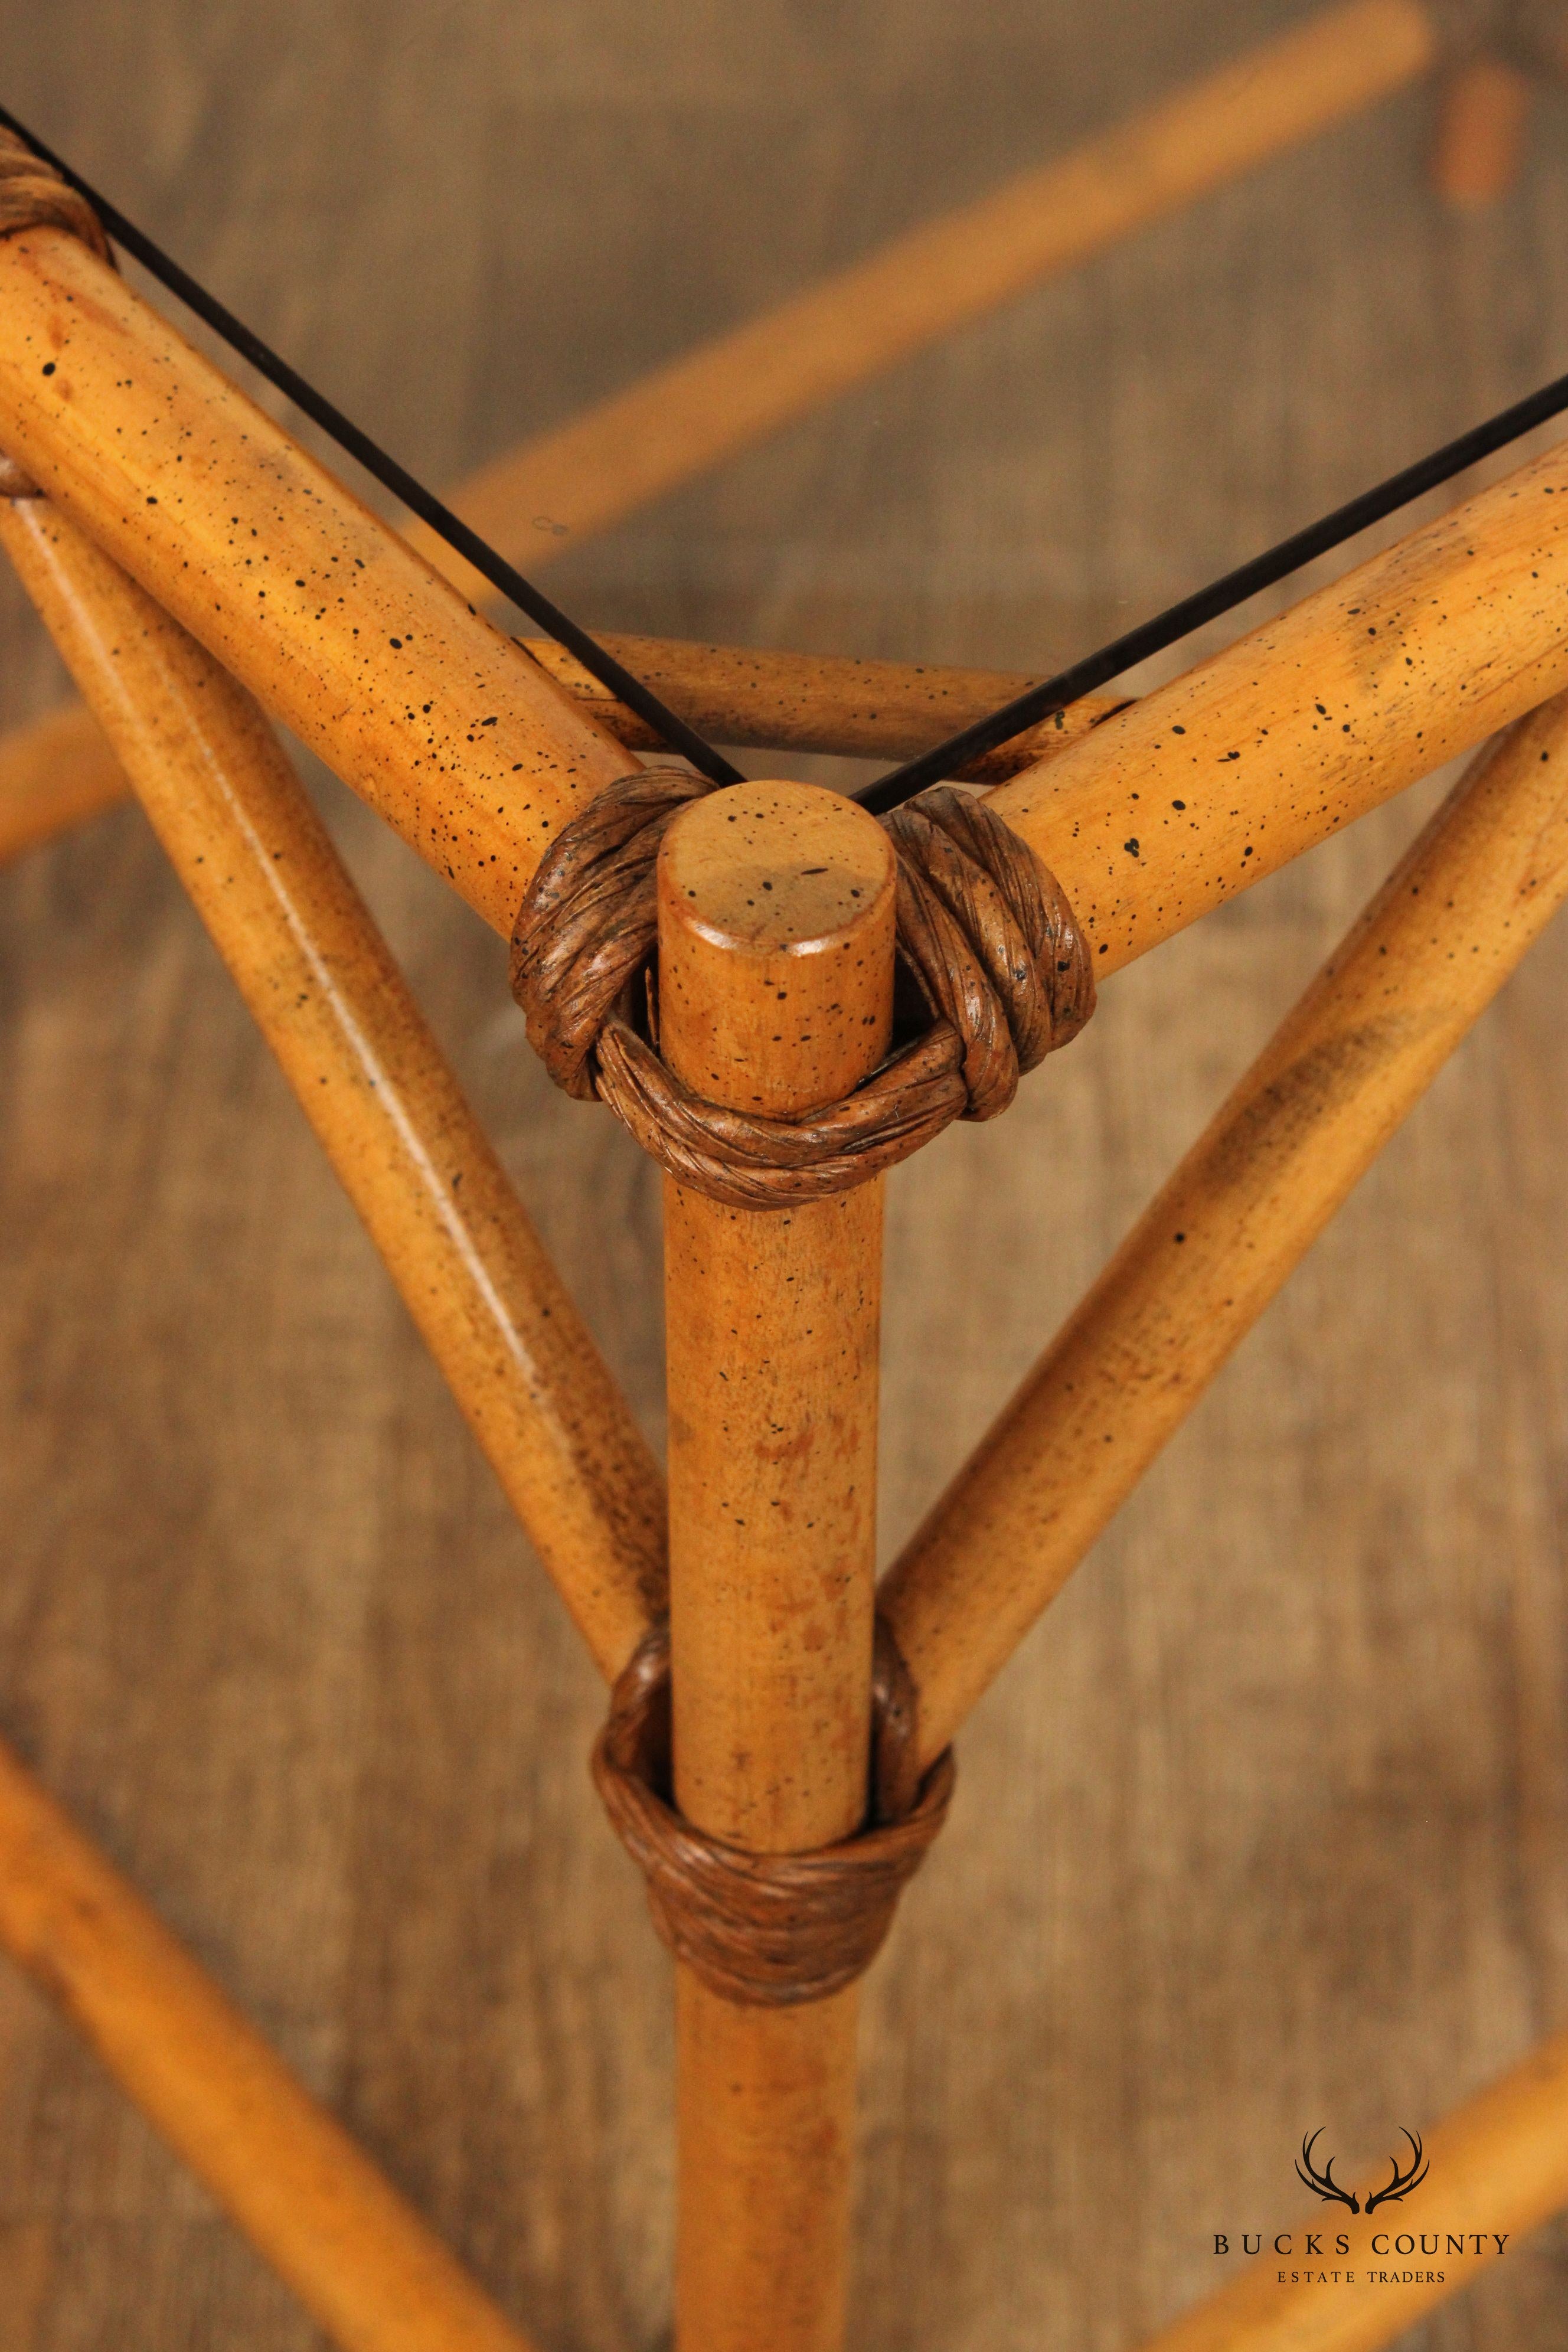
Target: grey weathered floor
(1265,1827)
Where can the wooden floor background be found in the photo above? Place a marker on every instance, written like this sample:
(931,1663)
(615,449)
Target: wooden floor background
(1265,1828)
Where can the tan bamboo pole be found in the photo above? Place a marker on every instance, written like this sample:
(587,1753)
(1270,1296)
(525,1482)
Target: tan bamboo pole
(438,719)
(1198,791)
(1244,1206)
(1498,2169)
(732,392)
(61,771)
(54,773)
(360,2259)
(775,993)
(312,966)
(820,702)
(1483,113)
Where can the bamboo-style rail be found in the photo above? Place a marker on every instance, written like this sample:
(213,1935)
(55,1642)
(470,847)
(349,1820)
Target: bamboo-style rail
(1292,732)
(256,861)
(60,769)
(360,2259)
(331,620)
(821,702)
(1299,1129)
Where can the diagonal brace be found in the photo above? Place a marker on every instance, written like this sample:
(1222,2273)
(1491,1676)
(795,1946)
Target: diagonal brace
(1300,1129)
(314,2206)
(313,968)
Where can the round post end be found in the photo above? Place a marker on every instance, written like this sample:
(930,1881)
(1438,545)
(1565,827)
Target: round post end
(776,905)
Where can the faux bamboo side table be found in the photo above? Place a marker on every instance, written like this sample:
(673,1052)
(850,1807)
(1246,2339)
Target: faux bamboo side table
(134,460)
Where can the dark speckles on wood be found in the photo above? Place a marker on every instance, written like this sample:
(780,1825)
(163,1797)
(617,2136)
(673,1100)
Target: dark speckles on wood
(1458,646)
(321,653)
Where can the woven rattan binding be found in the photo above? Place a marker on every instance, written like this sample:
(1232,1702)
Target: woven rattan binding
(769,1930)
(985,931)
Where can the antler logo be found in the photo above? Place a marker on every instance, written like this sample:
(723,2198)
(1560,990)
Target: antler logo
(1323,2184)
(1402,2182)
